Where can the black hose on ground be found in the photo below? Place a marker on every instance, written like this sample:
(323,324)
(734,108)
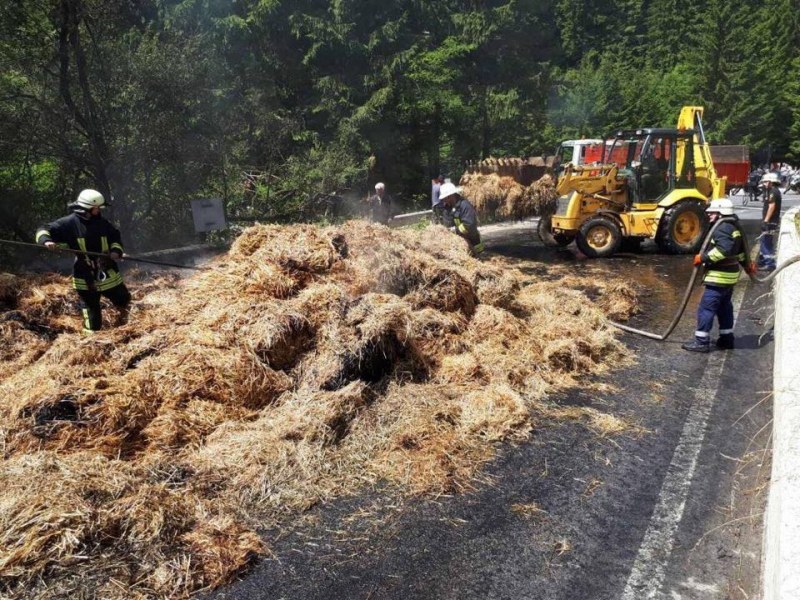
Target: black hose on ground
(696,271)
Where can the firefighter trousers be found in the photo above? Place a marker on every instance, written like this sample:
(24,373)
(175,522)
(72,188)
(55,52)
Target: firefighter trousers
(90,305)
(716,303)
(767,258)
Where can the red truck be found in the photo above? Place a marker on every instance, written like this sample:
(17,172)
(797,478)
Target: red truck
(732,162)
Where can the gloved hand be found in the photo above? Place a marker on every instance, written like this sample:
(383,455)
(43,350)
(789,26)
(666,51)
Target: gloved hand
(50,245)
(115,255)
(751,269)
(698,260)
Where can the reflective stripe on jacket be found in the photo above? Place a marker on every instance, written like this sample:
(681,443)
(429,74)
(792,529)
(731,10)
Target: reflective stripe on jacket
(466,221)
(724,254)
(94,234)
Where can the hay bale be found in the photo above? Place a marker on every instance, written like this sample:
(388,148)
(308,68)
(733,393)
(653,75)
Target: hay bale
(227,375)
(501,197)
(459,368)
(496,286)
(489,193)
(541,197)
(494,413)
(304,365)
(445,290)
(224,547)
(619,301)
(299,248)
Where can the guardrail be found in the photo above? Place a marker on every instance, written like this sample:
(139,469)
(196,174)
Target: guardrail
(781,569)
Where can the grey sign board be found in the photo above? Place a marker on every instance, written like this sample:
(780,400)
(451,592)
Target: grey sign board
(208,214)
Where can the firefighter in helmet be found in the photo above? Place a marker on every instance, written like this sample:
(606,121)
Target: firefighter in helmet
(459,213)
(722,258)
(86,230)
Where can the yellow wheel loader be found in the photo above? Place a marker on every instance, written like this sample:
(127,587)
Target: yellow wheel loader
(653,183)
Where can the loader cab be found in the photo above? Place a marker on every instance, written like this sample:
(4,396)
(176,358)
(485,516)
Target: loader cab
(653,162)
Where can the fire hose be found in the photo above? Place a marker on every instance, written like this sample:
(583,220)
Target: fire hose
(697,269)
(100,255)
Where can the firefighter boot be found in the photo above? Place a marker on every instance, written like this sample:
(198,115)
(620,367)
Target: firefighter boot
(725,341)
(696,346)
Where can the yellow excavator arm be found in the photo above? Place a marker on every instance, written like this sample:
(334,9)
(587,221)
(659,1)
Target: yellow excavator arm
(708,182)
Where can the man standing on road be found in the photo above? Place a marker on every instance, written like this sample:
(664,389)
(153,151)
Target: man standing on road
(380,205)
(771,215)
(436,186)
(723,255)
(85,230)
(459,213)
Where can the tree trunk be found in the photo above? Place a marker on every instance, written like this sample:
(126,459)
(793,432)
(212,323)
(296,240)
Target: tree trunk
(86,116)
(485,128)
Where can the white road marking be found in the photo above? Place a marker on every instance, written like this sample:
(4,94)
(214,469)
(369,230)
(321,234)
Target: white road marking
(649,569)
(697,586)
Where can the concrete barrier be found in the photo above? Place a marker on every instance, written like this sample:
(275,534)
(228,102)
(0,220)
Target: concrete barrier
(781,572)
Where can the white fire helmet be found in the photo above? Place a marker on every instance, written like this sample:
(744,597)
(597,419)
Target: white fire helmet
(771,177)
(379,186)
(722,206)
(448,189)
(88,199)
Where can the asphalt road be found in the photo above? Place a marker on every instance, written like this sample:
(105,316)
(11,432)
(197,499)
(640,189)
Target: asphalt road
(674,512)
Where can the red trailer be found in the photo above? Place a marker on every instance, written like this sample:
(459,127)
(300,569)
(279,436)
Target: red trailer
(732,162)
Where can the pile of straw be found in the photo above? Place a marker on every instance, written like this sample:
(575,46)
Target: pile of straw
(500,198)
(306,364)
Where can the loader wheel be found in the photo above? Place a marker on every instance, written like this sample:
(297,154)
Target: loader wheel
(548,237)
(681,228)
(599,237)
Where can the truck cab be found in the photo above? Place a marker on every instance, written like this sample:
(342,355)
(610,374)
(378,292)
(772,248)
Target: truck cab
(577,153)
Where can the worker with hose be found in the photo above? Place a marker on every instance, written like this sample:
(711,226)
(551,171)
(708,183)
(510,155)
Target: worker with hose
(458,212)
(96,273)
(771,220)
(722,257)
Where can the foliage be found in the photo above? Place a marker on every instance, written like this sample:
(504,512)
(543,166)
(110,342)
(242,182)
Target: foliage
(272,104)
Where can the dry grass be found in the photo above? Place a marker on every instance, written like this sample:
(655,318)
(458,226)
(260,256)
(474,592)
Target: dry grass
(307,364)
(498,197)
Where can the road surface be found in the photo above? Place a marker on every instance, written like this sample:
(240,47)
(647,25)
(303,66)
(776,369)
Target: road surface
(672,513)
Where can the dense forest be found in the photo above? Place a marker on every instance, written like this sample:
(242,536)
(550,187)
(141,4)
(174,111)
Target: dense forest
(273,104)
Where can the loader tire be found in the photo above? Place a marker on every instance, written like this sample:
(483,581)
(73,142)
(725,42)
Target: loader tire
(599,237)
(548,237)
(682,227)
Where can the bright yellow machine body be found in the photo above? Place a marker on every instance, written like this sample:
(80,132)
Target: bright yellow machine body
(601,206)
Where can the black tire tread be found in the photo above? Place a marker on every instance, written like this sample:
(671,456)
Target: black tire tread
(664,240)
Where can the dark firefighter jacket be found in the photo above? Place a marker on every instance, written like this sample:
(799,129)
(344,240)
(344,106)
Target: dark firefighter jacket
(464,218)
(88,235)
(724,254)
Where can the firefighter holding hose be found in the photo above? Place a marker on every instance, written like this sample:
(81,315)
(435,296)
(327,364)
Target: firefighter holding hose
(459,213)
(723,256)
(86,230)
